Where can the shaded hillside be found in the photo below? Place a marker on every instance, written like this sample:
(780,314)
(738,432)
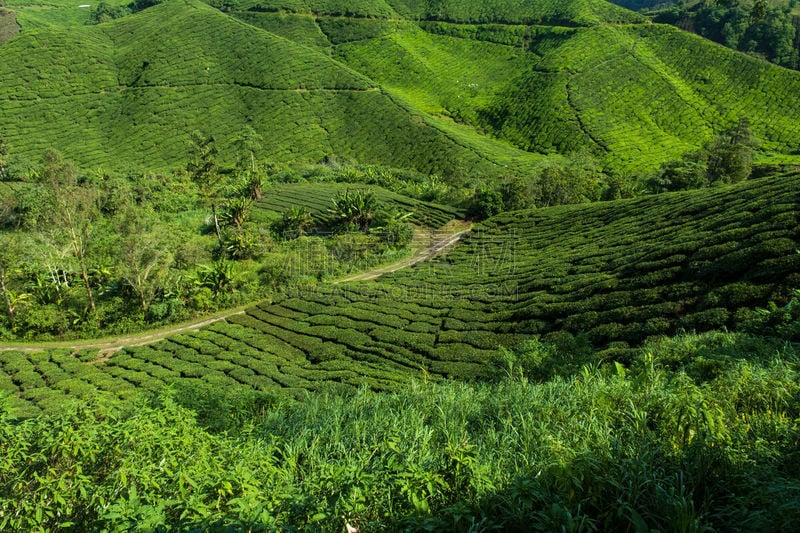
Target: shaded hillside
(612,274)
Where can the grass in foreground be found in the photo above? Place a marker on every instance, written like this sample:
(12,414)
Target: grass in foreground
(657,446)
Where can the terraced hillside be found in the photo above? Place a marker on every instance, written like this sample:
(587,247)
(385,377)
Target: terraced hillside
(98,95)
(551,12)
(456,88)
(612,274)
(636,95)
(316,198)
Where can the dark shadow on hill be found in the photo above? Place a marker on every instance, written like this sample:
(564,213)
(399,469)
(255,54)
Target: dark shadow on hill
(640,489)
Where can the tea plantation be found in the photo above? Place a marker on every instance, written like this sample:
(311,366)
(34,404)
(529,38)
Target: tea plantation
(625,365)
(307,105)
(463,89)
(316,198)
(596,280)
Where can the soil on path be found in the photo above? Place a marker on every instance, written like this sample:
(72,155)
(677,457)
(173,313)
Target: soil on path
(426,245)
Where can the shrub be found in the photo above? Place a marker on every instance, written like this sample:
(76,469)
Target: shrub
(486,202)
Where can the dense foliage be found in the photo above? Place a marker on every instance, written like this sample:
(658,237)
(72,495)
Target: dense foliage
(84,255)
(728,158)
(700,433)
(757,27)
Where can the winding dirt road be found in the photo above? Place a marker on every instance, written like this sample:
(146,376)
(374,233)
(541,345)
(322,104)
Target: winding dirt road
(426,245)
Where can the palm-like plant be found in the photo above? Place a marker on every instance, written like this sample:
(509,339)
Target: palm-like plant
(236,211)
(395,228)
(218,276)
(252,185)
(295,222)
(354,208)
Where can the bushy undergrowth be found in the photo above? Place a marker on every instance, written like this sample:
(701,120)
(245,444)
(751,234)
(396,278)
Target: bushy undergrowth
(651,447)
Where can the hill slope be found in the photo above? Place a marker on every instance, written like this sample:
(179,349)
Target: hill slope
(612,273)
(388,82)
(643,94)
(636,95)
(114,102)
(573,13)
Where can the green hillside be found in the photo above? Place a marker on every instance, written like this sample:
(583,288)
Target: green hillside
(113,102)
(607,275)
(635,95)
(579,12)
(455,88)
(643,94)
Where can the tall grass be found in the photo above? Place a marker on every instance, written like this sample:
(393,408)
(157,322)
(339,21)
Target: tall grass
(627,450)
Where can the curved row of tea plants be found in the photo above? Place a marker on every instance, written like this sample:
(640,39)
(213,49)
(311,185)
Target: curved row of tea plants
(316,198)
(582,278)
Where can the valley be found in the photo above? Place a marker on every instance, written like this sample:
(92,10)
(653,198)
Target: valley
(394,265)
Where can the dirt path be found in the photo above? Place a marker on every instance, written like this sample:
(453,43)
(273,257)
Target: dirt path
(107,347)
(426,245)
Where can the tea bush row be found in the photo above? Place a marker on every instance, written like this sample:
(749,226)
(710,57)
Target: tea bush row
(317,199)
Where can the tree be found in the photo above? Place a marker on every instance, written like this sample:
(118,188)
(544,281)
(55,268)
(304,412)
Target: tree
(295,222)
(204,173)
(728,158)
(105,12)
(139,5)
(759,10)
(394,228)
(730,154)
(73,211)
(144,258)
(218,277)
(578,180)
(689,172)
(486,202)
(252,184)
(236,211)
(515,194)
